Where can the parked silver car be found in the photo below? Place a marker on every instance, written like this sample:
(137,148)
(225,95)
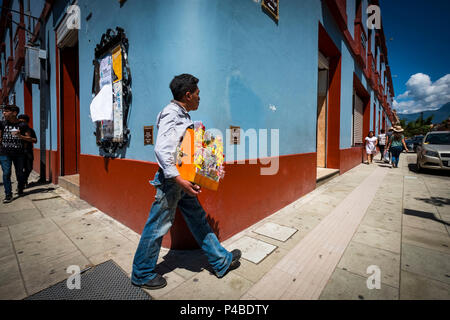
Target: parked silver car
(434,151)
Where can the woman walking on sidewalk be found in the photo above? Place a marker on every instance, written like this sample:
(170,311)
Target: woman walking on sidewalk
(396,144)
(371,149)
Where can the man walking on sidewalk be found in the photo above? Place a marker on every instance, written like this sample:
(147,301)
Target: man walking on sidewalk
(172,191)
(382,143)
(13,134)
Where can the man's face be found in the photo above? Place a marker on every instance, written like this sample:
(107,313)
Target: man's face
(193,99)
(9,115)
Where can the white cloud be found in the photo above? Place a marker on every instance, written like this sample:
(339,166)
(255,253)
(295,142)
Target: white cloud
(422,94)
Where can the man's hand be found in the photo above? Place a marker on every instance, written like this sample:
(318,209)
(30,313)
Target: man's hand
(188,187)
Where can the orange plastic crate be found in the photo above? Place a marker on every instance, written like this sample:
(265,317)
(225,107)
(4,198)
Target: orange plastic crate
(187,169)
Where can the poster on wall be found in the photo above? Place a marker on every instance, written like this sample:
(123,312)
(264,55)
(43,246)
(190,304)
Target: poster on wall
(105,70)
(117,64)
(272,7)
(118,111)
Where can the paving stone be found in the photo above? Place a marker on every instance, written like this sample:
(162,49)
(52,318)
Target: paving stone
(358,257)
(13,290)
(32,228)
(18,205)
(378,238)
(424,238)
(81,224)
(287,245)
(391,221)
(252,249)
(54,206)
(416,287)
(9,270)
(423,223)
(116,225)
(65,218)
(16,217)
(39,276)
(298,220)
(205,286)
(43,248)
(6,247)
(98,240)
(344,285)
(122,255)
(429,263)
(11,284)
(276,231)
(254,272)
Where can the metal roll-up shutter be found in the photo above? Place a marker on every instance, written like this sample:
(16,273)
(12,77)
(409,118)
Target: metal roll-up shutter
(358,119)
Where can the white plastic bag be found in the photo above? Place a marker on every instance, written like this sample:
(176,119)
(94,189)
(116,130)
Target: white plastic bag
(386,157)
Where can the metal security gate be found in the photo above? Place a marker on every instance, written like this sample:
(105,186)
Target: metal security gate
(358,109)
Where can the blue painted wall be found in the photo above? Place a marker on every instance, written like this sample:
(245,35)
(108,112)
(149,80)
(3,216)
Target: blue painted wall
(244,61)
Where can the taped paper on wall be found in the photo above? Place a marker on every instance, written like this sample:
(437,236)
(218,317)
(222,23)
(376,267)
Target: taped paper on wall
(101,105)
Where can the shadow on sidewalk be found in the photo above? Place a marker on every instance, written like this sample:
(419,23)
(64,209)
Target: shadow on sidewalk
(413,168)
(191,260)
(38,190)
(436,201)
(425,215)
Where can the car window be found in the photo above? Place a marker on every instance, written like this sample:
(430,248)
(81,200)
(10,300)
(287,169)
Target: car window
(438,138)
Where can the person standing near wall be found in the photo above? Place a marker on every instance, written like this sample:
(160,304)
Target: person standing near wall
(396,144)
(382,143)
(371,149)
(172,191)
(29,156)
(13,134)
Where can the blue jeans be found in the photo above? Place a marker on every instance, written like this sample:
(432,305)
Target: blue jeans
(6,163)
(396,151)
(169,195)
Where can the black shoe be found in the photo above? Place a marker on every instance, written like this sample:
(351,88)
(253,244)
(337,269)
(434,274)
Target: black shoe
(236,254)
(8,198)
(157,283)
(20,193)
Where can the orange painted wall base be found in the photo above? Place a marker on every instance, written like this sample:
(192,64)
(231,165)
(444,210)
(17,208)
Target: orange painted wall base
(121,188)
(350,158)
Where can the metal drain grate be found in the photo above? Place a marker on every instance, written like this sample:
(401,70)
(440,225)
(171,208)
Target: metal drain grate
(105,281)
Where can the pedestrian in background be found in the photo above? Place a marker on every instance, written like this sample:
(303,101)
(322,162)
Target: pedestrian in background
(29,156)
(13,134)
(371,149)
(382,143)
(396,144)
(388,136)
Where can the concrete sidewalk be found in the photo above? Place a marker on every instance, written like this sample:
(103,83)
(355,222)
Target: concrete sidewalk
(319,247)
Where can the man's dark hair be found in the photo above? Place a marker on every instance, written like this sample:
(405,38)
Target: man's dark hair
(12,107)
(182,84)
(382,131)
(24,117)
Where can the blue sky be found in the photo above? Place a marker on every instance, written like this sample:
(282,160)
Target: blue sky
(418,40)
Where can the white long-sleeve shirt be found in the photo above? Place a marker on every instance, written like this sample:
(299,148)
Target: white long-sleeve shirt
(172,123)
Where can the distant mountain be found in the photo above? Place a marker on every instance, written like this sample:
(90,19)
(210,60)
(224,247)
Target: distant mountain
(439,115)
